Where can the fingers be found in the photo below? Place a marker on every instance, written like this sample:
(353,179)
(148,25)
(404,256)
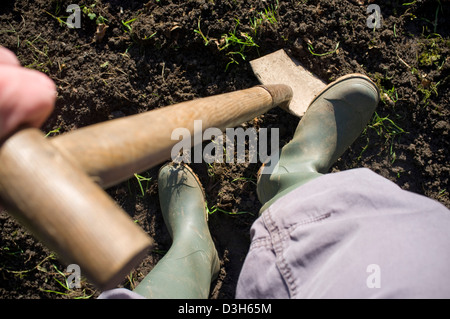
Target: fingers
(27,97)
(7,57)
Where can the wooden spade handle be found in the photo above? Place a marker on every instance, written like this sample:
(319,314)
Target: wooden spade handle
(65,209)
(48,184)
(112,151)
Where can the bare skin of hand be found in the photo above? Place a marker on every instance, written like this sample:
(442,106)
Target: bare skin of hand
(27,97)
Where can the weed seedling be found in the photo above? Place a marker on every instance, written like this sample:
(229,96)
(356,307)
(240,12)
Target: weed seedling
(52,132)
(127,24)
(442,193)
(388,129)
(247,179)
(88,11)
(141,180)
(268,15)
(436,15)
(389,96)
(61,20)
(217,209)
(39,50)
(311,50)
(236,44)
(65,285)
(431,53)
(199,31)
(428,89)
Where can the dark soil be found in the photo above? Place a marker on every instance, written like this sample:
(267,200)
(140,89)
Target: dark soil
(158,59)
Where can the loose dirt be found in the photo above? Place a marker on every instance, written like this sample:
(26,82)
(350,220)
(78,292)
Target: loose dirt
(156,53)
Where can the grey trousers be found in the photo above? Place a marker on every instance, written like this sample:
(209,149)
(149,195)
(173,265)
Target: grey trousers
(351,234)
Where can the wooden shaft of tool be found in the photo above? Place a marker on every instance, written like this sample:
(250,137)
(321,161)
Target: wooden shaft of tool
(112,151)
(63,207)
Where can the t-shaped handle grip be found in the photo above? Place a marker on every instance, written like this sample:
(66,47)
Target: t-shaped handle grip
(67,211)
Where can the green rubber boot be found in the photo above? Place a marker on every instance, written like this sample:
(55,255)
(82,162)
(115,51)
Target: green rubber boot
(187,269)
(332,122)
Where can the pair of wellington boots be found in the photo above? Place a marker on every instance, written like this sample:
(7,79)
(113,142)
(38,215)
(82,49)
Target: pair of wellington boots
(334,119)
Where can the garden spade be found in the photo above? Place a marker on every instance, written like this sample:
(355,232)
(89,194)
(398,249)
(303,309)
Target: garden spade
(55,186)
(279,68)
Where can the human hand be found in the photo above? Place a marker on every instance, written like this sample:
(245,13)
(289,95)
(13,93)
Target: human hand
(27,97)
